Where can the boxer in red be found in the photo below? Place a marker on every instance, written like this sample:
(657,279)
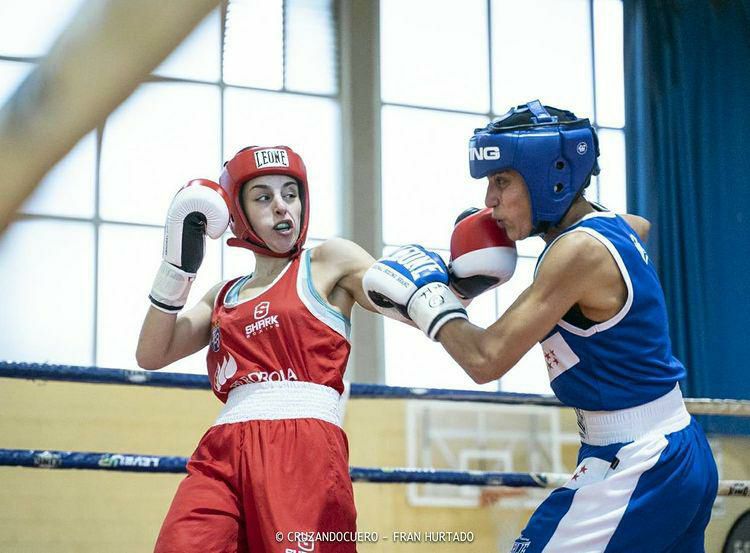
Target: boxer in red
(275,462)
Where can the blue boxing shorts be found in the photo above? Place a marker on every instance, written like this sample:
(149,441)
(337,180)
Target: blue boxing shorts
(646,481)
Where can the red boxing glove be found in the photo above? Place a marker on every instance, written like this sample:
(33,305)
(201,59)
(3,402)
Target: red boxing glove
(482,255)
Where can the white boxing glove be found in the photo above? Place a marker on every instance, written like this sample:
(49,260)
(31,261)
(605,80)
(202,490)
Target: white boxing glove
(411,284)
(198,208)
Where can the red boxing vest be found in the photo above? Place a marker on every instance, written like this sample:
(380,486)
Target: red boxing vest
(287,332)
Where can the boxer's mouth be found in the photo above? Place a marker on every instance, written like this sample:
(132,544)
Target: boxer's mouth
(284,227)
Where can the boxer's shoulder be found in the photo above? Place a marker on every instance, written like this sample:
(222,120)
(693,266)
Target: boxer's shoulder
(338,257)
(573,252)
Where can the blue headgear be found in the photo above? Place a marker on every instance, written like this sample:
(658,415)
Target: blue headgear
(555,154)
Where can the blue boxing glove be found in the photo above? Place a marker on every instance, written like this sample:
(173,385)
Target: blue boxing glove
(411,285)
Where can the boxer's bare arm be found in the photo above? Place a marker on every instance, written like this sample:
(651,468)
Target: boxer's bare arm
(639,224)
(577,269)
(339,266)
(166,338)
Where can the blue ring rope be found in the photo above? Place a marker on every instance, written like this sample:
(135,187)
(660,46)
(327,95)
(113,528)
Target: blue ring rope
(73,373)
(128,462)
(97,375)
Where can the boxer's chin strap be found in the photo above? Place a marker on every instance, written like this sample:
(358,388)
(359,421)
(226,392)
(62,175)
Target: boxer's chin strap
(263,249)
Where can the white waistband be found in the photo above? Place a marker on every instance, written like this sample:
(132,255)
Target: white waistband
(661,416)
(281,400)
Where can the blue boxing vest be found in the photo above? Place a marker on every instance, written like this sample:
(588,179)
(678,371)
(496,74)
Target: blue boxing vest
(626,360)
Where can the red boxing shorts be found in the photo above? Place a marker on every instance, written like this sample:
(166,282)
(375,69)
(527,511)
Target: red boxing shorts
(259,484)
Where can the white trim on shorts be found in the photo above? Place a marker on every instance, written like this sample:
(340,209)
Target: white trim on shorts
(599,505)
(659,417)
(281,400)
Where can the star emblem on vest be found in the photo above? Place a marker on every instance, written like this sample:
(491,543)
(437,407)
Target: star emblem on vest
(580,472)
(551,359)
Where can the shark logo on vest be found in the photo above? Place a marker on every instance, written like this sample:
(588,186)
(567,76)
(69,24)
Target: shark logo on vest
(263,321)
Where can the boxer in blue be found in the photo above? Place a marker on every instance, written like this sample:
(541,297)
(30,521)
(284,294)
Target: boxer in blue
(646,478)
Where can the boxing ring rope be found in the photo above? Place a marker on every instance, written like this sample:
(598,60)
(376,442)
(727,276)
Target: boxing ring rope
(167,464)
(97,375)
(128,462)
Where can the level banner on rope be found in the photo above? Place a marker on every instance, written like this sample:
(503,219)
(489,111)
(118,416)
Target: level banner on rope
(98,375)
(131,462)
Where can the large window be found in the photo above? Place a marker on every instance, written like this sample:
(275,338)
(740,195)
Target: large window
(448,67)
(81,256)
(80,259)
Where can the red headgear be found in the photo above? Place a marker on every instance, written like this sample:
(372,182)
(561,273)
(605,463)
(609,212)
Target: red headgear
(255,161)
